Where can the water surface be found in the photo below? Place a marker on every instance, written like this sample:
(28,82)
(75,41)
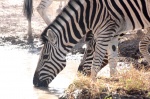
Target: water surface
(17,67)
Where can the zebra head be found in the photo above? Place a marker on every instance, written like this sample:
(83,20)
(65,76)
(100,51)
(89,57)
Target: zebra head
(50,63)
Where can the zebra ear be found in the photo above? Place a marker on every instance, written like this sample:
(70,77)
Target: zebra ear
(51,36)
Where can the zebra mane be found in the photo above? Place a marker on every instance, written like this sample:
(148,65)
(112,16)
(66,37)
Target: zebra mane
(44,37)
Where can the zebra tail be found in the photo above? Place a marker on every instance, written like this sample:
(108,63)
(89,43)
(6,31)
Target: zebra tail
(28,9)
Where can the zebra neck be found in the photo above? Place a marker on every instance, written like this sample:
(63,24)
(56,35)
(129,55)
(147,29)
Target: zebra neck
(70,25)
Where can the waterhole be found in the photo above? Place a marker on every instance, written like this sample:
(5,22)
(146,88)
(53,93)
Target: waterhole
(17,68)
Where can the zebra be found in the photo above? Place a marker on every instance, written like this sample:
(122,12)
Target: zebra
(106,19)
(42,7)
(86,64)
(144,46)
(111,56)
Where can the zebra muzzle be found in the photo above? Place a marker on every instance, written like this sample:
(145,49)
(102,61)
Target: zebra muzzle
(37,82)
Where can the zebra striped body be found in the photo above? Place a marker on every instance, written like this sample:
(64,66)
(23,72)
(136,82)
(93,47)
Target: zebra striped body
(105,18)
(111,57)
(86,63)
(144,46)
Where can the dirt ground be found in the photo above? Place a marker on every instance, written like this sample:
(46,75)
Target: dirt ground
(13,24)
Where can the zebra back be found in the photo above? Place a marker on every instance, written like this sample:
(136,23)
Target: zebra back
(28,9)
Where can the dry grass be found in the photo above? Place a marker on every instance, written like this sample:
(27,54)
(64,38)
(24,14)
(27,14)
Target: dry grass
(135,80)
(129,83)
(84,83)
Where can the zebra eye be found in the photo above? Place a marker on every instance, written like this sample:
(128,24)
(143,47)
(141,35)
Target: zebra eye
(45,56)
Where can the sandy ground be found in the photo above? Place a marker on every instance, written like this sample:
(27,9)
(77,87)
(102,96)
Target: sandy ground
(13,23)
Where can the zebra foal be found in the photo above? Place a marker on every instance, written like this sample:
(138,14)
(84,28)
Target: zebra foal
(105,19)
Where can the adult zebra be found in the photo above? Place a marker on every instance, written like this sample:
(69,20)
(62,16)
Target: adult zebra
(42,7)
(106,19)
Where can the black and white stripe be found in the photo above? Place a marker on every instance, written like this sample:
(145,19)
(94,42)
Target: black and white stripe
(144,46)
(105,18)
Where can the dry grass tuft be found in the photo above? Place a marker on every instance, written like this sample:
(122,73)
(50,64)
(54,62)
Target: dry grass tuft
(130,82)
(135,80)
(84,83)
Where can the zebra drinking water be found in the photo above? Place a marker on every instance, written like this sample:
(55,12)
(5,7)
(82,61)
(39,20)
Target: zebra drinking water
(105,18)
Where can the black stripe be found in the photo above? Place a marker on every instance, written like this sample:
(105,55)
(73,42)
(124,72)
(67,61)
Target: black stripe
(102,20)
(111,11)
(81,23)
(87,13)
(68,28)
(100,52)
(127,12)
(93,12)
(136,13)
(145,10)
(61,52)
(74,27)
(75,11)
(100,12)
(62,29)
(48,69)
(57,62)
(137,4)
(58,36)
(117,8)
(75,31)
(54,66)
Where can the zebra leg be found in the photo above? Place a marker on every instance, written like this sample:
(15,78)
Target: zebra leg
(30,37)
(113,55)
(98,58)
(86,63)
(28,10)
(42,7)
(143,47)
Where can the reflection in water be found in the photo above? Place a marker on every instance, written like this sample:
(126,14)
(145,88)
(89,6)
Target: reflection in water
(17,67)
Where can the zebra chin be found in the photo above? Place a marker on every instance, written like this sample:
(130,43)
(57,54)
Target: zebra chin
(38,83)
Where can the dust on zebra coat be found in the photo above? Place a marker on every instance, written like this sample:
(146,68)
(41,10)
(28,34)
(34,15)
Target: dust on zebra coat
(105,18)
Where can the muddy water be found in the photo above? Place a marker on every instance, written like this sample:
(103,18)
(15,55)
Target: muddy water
(16,72)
